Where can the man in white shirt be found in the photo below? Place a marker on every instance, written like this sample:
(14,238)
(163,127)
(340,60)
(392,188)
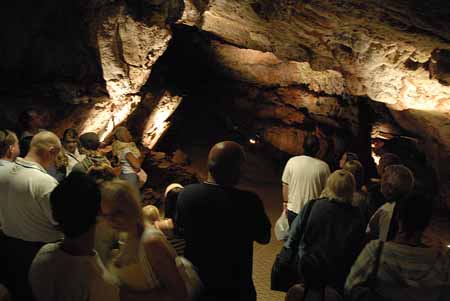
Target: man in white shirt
(303,178)
(27,221)
(72,269)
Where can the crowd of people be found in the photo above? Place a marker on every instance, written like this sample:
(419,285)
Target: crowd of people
(73,226)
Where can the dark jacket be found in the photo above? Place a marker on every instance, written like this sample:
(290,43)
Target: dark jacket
(335,231)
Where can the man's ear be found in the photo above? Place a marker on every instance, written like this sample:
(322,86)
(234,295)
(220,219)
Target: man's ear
(54,151)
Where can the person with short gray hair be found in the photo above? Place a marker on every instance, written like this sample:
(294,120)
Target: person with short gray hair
(397,183)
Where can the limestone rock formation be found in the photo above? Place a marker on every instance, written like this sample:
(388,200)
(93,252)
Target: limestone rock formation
(128,49)
(394,51)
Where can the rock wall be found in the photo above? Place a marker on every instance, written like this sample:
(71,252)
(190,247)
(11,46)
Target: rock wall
(394,52)
(278,65)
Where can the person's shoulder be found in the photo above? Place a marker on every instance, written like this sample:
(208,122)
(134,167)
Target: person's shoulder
(372,246)
(247,195)
(47,253)
(192,191)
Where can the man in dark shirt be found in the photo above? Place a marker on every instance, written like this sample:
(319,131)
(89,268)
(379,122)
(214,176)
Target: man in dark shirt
(220,223)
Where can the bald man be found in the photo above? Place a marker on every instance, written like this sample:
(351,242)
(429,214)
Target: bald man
(220,223)
(25,213)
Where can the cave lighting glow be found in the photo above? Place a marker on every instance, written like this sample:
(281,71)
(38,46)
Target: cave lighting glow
(102,119)
(376,158)
(157,124)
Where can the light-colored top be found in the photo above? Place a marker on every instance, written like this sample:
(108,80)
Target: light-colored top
(121,149)
(405,272)
(380,221)
(25,202)
(306,177)
(73,159)
(58,276)
(132,267)
(5,167)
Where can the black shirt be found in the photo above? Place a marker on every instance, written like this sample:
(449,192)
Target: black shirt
(219,225)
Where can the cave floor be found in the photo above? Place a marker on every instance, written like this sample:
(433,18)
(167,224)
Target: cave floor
(262,176)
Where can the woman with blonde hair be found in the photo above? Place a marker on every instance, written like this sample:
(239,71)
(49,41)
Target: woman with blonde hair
(128,155)
(146,263)
(330,229)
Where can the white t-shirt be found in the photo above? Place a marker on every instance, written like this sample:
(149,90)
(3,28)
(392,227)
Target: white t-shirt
(305,177)
(25,202)
(124,164)
(57,276)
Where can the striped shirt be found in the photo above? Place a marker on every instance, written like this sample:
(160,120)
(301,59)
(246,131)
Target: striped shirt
(405,272)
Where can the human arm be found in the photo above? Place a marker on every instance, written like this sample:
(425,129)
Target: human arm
(285,179)
(134,161)
(261,224)
(161,257)
(285,195)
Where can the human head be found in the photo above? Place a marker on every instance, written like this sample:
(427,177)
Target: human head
(415,213)
(9,145)
(121,133)
(70,140)
(150,214)
(311,145)
(386,160)
(90,141)
(121,205)
(170,199)
(25,145)
(31,119)
(357,170)
(397,182)
(347,156)
(100,173)
(340,186)
(224,163)
(75,204)
(45,146)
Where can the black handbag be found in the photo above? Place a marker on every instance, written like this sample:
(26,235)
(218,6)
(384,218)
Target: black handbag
(366,291)
(284,272)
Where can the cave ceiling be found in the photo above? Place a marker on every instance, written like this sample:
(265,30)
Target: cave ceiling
(395,52)
(304,53)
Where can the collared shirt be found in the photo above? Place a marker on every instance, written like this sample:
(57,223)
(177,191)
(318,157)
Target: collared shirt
(25,202)
(306,177)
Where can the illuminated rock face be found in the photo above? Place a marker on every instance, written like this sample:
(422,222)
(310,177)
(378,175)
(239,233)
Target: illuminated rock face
(128,49)
(396,52)
(376,49)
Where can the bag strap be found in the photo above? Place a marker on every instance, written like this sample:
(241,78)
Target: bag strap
(305,219)
(372,279)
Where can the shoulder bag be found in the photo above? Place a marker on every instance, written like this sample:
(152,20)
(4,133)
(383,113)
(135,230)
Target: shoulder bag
(284,272)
